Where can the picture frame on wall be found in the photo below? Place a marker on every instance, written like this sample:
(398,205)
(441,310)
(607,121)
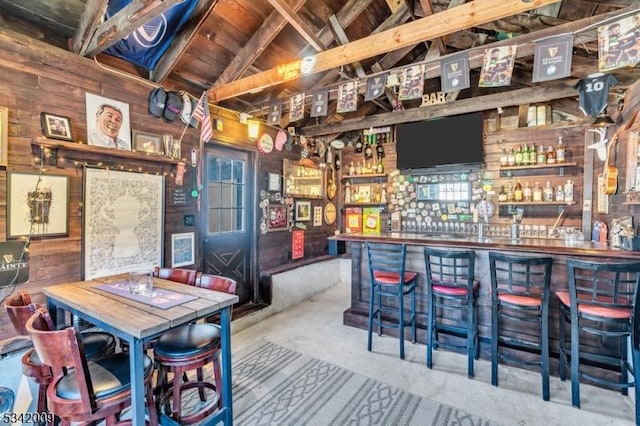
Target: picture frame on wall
(37,205)
(303,211)
(147,142)
(277,217)
(4,135)
(56,126)
(183,249)
(107,122)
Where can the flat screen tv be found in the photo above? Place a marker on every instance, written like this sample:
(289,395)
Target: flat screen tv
(444,141)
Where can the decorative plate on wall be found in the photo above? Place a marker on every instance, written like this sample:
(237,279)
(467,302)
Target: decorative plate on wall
(330,213)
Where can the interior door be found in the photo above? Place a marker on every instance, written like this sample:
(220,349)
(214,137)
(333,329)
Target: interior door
(228,247)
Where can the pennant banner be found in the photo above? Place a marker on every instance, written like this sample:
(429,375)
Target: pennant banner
(275,113)
(412,83)
(552,59)
(146,44)
(319,102)
(296,107)
(375,86)
(619,43)
(347,99)
(497,66)
(454,71)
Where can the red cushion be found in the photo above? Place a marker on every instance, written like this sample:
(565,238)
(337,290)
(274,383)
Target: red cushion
(385,277)
(447,287)
(515,299)
(601,311)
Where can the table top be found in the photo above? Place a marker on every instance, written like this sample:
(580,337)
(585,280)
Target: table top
(135,318)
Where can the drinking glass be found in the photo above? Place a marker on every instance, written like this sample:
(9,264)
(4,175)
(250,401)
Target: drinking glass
(141,282)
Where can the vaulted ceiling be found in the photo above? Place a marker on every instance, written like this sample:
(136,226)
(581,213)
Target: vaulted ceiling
(232,48)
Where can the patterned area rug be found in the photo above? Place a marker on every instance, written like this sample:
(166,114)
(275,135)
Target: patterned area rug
(273,385)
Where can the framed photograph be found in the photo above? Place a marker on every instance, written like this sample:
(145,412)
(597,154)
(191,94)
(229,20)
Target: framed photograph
(150,143)
(4,135)
(37,205)
(303,211)
(56,126)
(317,216)
(274,182)
(108,123)
(277,217)
(183,249)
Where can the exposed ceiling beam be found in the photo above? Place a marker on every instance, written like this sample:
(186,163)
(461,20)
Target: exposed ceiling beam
(89,20)
(180,44)
(130,17)
(298,24)
(427,28)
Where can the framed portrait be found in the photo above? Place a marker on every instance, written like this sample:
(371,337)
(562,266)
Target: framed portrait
(274,182)
(37,205)
(56,126)
(150,143)
(183,249)
(277,217)
(108,123)
(4,135)
(303,211)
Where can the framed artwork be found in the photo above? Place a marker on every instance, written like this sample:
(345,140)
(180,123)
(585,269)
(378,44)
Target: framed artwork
(108,123)
(303,211)
(277,217)
(37,205)
(150,143)
(274,182)
(123,222)
(56,126)
(317,216)
(183,249)
(4,135)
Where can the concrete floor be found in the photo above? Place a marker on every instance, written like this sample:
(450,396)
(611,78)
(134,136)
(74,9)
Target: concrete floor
(314,327)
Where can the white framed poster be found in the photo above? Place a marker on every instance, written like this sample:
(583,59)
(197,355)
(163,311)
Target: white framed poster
(123,222)
(183,249)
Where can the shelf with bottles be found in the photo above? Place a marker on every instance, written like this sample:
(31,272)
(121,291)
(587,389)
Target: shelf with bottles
(533,156)
(536,203)
(539,166)
(557,194)
(302,181)
(372,203)
(371,176)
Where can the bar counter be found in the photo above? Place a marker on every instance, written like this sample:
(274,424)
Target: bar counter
(357,314)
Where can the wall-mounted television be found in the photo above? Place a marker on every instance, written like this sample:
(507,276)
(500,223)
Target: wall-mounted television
(457,139)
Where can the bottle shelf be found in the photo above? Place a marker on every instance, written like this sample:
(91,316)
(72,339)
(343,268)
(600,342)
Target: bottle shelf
(539,166)
(535,203)
(364,204)
(367,176)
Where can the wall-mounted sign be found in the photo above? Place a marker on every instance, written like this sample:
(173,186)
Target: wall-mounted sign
(433,99)
(178,197)
(265,143)
(297,244)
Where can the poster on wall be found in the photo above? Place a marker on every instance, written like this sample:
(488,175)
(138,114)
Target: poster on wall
(297,244)
(123,222)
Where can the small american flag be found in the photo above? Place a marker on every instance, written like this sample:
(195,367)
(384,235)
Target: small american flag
(201,114)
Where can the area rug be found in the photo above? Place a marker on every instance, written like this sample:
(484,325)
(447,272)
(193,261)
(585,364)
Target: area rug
(273,385)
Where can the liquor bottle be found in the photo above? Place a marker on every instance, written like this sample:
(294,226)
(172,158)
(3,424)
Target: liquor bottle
(525,155)
(551,155)
(541,157)
(347,193)
(517,193)
(358,148)
(560,194)
(510,194)
(519,156)
(511,158)
(502,195)
(537,193)
(380,167)
(352,169)
(560,151)
(368,151)
(503,157)
(532,154)
(547,195)
(527,193)
(568,192)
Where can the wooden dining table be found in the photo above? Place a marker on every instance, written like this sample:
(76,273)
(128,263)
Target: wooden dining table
(137,322)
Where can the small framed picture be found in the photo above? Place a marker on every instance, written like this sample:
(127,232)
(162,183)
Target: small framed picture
(274,182)
(56,126)
(150,143)
(303,211)
(277,217)
(183,249)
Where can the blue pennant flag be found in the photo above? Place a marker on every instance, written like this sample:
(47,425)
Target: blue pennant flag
(146,45)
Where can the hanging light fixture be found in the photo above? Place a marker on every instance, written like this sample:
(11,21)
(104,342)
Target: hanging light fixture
(602,120)
(253,127)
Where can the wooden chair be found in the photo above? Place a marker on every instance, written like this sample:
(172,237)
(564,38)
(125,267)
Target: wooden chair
(184,276)
(81,389)
(189,348)
(19,309)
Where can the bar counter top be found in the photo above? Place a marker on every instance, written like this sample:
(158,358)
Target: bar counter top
(526,244)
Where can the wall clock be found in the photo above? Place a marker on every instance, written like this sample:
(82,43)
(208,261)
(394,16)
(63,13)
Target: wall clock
(330,214)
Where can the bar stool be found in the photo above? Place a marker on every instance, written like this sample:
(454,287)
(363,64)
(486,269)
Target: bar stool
(601,309)
(451,287)
(519,301)
(390,282)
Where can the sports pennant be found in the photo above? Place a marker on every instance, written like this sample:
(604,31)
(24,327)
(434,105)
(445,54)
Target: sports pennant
(296,107)
(375,86)
(454,71)
(347,97)
(497,66)
(412,82)
(319,102)
(275,113)
(552,58)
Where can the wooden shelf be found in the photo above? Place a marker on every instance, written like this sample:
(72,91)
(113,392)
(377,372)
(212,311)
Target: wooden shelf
(364,204)
(539,166)
(90,149)
(369,176)
(534,203)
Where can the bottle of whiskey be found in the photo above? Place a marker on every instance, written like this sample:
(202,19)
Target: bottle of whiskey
(517,193)
(511,158)
(503,157)
(502,195)
(537,193)
(560,151)
(547,195)
(525,155)
(527,192)
(541,157)
(380,167)
(551,155)
(519,156)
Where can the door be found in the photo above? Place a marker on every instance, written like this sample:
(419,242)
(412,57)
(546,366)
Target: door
(228,247)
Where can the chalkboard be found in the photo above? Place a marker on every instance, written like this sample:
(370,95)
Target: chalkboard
(178,196)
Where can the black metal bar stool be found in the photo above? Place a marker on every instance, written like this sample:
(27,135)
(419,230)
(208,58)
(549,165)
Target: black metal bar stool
(390,283)
(451,287)
(601,308)
(520,312)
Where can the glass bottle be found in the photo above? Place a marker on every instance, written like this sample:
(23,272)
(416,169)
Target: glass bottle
(537,193)
(525,155)
(568,192)
(551,155)
(510,194)
(352,169)
(503,157)
(519,156)
(502,195)
(511,158)
(560,194)
(380,167)
(541,157)
(527,192)
(547,195)
(517,193)
(358,148)
(560,151)
(532,154)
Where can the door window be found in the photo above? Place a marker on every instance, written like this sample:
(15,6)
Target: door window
(226,191)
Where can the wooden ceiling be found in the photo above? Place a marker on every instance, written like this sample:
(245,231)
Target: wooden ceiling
(232,48)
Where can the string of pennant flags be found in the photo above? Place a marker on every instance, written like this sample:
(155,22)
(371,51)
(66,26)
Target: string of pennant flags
(618,46)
